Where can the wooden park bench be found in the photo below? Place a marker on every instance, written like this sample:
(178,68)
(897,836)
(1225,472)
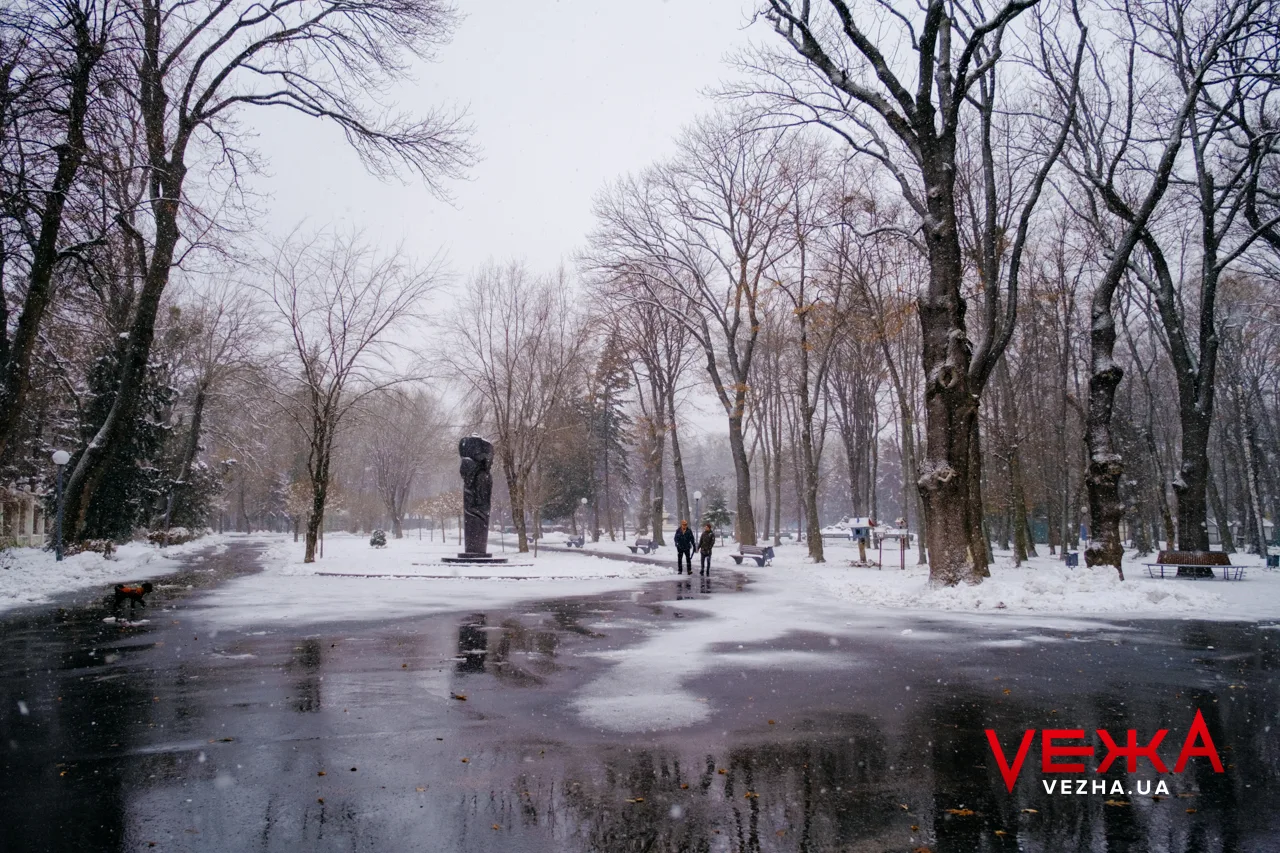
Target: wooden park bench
(575,541)
(642,546)
(762,554)
(1193,564)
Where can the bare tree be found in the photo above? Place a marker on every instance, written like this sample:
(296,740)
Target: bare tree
(226,330)
(815,289)
(1126,144)
(341,305)
(196,66)
(51,55)
(660,345)
(516,345)
(697,238)
(957,61)
(401,432)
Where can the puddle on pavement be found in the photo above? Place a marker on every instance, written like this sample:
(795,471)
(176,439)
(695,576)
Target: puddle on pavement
(452,732)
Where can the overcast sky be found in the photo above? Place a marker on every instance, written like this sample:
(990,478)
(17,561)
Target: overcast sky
(565,96)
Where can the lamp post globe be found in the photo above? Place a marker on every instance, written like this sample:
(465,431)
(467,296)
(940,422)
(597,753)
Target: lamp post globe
(60,458)
(697,507)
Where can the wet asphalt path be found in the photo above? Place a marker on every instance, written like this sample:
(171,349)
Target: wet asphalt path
(153,737)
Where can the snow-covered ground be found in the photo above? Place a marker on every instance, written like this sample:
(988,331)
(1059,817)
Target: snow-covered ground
(645,686)
(33,576)
(1042,602)
(356,582)
(1041,585)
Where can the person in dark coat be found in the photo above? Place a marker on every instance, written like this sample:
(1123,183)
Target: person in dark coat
(706,542)
(684,548)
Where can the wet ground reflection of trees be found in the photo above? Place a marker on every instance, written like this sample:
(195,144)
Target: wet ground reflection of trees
(927,779)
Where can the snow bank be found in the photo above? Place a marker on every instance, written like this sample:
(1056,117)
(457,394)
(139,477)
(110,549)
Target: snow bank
(33,576)
(1041,585)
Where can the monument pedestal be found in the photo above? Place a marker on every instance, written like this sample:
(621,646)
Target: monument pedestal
(475,558)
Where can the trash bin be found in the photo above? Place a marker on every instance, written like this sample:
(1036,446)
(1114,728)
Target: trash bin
(1273,561)
(1073,559)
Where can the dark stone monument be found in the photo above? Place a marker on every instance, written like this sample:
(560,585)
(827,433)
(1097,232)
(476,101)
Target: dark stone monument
(477,491)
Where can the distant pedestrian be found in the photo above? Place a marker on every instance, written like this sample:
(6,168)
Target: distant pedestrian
(684,548)
(706,542)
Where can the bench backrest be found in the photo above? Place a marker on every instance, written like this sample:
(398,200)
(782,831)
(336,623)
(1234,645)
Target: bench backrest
(763,550)
(644,542)
(1193,558)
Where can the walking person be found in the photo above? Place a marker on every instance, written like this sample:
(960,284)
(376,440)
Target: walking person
(684,548)
(706,542)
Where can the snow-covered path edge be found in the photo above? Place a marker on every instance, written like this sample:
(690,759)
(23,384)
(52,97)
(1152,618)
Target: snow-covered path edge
(33,576)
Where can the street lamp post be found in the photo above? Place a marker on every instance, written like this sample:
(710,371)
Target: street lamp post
(60,458)
(697,509)
(582,502)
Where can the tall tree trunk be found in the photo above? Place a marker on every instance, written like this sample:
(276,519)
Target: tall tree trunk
(1245,436)
(1105,465)
(165,193)
(16,352)
(656,511)
(189,450)
(516,495)
(777,480)
(1220,515)
(949,473)
(318,470)
(677,460)
(809,458)
(1191,485)
(745,522)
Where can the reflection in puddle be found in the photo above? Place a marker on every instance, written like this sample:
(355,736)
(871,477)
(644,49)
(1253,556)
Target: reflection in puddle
(201,747)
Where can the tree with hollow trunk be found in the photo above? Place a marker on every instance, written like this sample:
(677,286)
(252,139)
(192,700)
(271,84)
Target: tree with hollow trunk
(841,74)
(341,306)
(196,65)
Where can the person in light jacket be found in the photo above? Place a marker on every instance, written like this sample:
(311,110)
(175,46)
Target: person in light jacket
(684,548)
(706,542)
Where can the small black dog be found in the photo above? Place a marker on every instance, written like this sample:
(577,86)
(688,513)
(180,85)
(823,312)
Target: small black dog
(131,592)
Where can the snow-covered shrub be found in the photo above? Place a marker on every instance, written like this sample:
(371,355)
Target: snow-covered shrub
(378,539)
(105,547)
(173,536)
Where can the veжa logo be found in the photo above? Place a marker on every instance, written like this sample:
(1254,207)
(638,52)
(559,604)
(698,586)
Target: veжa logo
(1197,744)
